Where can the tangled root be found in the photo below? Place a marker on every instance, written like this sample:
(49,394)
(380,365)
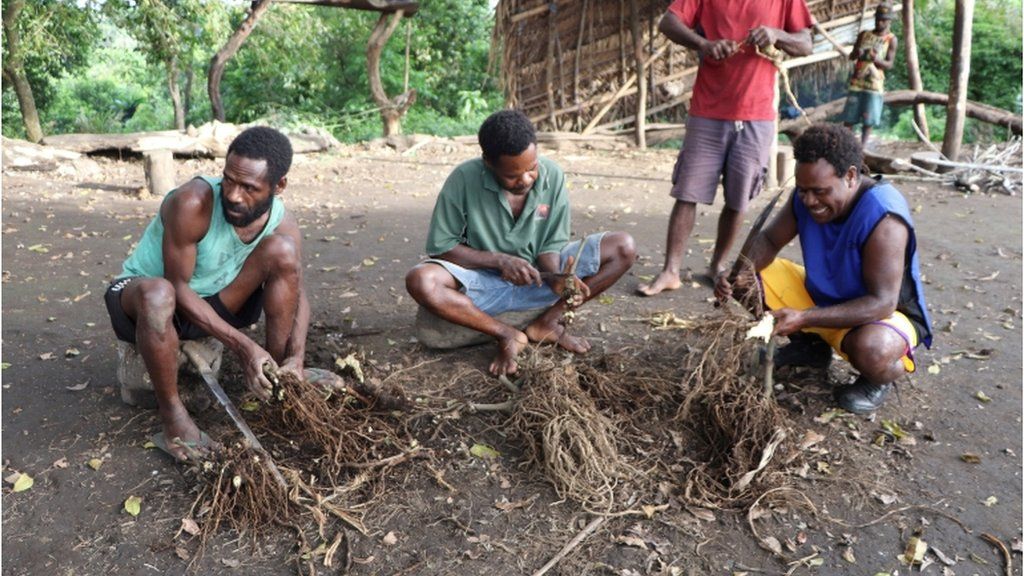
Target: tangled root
(566,435)
(738,427)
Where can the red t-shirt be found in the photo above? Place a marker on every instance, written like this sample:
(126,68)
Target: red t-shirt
(742,86)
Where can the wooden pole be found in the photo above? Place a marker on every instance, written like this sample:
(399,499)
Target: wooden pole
(913,69)
(549,72)
(959,71)
(641,76)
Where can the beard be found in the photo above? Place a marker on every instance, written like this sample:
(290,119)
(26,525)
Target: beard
(239,216)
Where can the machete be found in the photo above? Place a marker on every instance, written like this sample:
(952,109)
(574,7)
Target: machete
(250,439)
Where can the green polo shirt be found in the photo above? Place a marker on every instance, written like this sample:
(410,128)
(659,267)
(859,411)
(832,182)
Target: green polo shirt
(472,210)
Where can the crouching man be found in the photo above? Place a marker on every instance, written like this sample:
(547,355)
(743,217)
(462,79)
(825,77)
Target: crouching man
(499,242)
(219,253)
(859,290)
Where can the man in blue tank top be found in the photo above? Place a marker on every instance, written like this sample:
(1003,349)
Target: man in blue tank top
(859,290)
(219,253)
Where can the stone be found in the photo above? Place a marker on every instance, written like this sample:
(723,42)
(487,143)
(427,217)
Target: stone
(434,332)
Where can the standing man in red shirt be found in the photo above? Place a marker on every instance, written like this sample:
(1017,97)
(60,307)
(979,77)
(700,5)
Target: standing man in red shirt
(731,124)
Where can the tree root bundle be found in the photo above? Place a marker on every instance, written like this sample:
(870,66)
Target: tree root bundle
(566,435)
(739,429)
(334,449)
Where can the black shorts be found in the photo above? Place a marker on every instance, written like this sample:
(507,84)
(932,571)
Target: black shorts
(124,328)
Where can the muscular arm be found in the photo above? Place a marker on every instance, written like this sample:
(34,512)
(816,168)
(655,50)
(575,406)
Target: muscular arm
(296,348)
(186,219)
(883,260)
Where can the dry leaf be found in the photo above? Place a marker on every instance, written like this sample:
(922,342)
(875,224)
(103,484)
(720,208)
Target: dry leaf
(133,505)
(62,463)
(77,387)
(189,526)
(810,439)
(915,550)
(46,356)
(771,543)
(982,396)
(702,514)
(484,451)
(970,458)
(934,369)
(390,539)
(22,483)
(182,553)
(991,501)
(848,556)
(95,463)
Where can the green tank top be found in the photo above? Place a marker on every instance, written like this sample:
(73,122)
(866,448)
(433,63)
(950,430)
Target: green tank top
(220,254)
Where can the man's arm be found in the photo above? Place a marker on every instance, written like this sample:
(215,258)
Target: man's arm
(883,261)
(890,55)
(855,53)
(765,246)
(674,29)
(296,348)
(186,217)
(513,268)
(792,43)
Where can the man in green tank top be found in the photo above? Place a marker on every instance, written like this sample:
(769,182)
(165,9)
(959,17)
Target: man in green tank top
(219,253)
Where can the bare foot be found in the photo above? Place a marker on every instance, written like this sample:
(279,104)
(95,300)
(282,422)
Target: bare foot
(558,335)
(508,350)
(181,434)
(662,282)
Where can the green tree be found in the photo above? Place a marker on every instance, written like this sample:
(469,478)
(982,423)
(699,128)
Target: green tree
(43,39)
(995,56)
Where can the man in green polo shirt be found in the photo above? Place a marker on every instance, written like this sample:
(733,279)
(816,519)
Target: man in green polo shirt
(499,242)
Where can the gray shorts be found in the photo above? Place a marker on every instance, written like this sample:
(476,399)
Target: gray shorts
(494,295)
(733,150)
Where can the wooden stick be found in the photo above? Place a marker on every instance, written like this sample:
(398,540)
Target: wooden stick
(620,93)
(579,538)
(839,46)
(1002,548)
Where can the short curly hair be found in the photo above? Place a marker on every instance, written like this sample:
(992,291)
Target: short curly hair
(265,143)
(834,143)
(506,133)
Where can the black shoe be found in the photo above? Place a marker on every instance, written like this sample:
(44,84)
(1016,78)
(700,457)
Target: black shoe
(804,349)
(861,397)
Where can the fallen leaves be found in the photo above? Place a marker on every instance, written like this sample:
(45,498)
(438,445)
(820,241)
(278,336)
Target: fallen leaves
(484,451)
(19,481)
(133,505)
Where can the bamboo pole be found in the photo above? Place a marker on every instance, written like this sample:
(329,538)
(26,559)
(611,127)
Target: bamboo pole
(959,71)
(641,75)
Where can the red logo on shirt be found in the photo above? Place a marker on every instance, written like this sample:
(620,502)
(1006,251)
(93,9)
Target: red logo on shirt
(542,211)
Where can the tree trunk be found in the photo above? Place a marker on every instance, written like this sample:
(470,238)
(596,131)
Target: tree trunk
(14,72)
(913,69)
(189,80)
(172,88)
(391,110)
(641,77)
(220,59)
(959,71)
(982,112)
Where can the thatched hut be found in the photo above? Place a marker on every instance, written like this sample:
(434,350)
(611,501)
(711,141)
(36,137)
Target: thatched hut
(594,66)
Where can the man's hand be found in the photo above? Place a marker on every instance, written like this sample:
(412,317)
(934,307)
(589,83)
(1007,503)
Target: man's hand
(518,271)
(788,321)
(253,359)
(292,365)
(719,49)
(723,288)
(763,36)
(560,285)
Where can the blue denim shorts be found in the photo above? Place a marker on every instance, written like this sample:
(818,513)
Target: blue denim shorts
(494,295)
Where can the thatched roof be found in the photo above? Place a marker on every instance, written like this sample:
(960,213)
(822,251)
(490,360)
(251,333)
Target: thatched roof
(570,64)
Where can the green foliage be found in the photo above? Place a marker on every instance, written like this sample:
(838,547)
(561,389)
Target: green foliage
(995,57)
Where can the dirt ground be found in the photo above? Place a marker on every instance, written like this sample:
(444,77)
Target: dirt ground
(364,211)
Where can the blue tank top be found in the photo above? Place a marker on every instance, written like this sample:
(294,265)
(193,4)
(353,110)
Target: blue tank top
(219,255)
(832,254)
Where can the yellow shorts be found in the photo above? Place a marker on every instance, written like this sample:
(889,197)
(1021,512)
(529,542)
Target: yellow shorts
(783,283)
